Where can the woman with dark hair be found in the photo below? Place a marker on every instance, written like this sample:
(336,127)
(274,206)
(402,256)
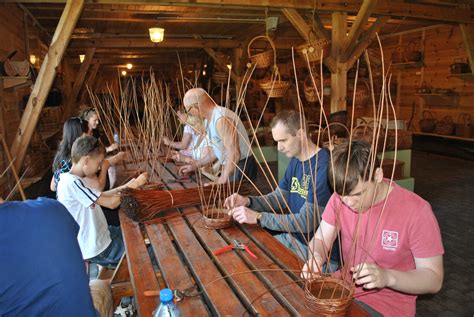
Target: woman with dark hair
(73,129)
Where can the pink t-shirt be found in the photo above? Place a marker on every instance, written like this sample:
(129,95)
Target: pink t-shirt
(406,228)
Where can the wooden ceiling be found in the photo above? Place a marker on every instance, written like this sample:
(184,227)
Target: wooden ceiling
(119,28)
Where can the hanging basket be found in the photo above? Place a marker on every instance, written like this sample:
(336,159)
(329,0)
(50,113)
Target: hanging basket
(219,77)
(264,59)
(275,87)
(310,92)
(362,94)
(327,296)
(315,49)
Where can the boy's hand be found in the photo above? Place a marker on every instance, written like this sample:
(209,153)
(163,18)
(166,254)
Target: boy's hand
(186,169)
(112,147)
(166,140)
(311,268)
(370,275)
(236,200)
(141,179)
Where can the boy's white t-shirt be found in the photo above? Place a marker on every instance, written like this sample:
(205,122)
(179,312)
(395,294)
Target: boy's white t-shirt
(93,236)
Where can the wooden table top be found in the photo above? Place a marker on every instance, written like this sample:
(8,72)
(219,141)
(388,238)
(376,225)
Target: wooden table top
(232,283)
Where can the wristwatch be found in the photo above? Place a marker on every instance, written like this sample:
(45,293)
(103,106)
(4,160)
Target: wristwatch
(259,216)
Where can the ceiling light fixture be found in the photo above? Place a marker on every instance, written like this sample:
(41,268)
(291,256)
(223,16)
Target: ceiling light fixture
(129,66)
(33,59)
(156,34)
(124,72)
(82,57)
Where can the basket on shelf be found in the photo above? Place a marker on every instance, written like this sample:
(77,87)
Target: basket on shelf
(445,126)
(263,59)
(464,127)
(427,122)
(459,67)
(315,49)
(412,54)
(275,87)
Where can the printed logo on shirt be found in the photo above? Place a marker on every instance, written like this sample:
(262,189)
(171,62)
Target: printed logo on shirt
(389,240)
(296,187)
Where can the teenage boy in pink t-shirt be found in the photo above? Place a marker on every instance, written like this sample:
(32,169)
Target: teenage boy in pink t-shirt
(390,238)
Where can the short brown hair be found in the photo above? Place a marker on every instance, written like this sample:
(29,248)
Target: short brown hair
(359,155)
(86,145)
(292,120)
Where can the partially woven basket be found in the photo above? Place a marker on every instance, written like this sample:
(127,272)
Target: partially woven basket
(215,218)
(275,87)
(327,296)
(315,49)
(264,59)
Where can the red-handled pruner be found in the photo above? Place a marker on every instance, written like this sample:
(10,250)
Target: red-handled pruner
(236,244)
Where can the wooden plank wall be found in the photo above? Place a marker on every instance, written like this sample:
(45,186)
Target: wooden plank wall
(441,46)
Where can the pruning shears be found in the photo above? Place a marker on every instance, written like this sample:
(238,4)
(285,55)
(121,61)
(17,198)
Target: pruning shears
(236,244)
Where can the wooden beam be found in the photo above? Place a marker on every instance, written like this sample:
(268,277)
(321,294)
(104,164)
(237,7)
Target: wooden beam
(351,56)
(339,77)
(399,9)
(468,37)
(358,26)
(44,81)
(220,63)
(320,29)
(304,29)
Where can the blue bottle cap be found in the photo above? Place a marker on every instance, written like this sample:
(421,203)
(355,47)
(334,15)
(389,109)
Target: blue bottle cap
(166,295)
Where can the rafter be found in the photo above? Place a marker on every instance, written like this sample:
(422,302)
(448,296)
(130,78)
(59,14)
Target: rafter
(358,26)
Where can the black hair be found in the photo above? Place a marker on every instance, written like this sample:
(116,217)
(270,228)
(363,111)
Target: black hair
(72,129)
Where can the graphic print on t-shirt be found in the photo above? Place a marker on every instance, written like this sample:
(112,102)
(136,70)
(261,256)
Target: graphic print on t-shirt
(297,188)
(389,240)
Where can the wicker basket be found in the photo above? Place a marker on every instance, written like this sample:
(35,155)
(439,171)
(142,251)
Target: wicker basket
(327,296)
(219,77)
(310,92)
(264,59)
(215,218)
(315,49)
(275,87)
(362,94)
(464,127)
(427,122)
(445,126)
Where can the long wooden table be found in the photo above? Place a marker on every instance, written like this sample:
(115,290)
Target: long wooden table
(229,284)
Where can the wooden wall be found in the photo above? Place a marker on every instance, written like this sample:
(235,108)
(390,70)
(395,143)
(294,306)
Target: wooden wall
(440,46)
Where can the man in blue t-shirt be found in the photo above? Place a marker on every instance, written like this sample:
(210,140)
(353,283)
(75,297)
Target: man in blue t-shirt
(41,267)
(303,189)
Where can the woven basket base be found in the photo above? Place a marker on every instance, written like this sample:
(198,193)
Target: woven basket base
(217,219)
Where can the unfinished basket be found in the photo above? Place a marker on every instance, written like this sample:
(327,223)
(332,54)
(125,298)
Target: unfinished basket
(327,296)
(216,218)
(275,87)
(315,49)
(264,59)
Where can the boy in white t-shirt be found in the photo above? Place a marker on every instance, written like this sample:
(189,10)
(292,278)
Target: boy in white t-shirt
(98,242)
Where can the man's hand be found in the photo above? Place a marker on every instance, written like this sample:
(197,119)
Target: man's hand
(186,169)
(370,275)
(311,268)
(236,200)
(244,215)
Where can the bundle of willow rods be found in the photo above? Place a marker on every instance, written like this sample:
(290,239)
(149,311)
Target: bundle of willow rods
(141,205)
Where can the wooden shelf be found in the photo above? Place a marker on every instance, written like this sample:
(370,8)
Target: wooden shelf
(11,82)
(463,75)
(450,99)
(408,64)
(453,137)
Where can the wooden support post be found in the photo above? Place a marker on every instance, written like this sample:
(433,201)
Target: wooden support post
(358,27)
(52,60)
(339,77)
(304,29)
(78,84)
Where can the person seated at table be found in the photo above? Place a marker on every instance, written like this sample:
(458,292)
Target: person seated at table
(73,129)
(42,271)
(99,244)
(90,115)
(227,137)
(389,236)
(303,187)
(194,145)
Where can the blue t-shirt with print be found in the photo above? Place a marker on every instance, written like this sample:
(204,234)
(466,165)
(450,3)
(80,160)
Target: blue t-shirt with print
(299,179)
(41,268)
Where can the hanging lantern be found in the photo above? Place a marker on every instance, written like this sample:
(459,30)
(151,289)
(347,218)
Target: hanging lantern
(157,34)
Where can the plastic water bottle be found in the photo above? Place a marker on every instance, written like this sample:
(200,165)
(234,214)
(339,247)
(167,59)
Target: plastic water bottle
(116,138)
(167,308)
